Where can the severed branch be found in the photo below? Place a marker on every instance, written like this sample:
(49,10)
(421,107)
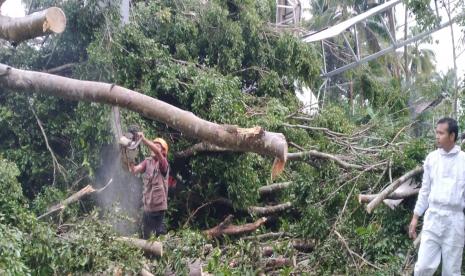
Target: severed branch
(155,248)
(322,155)
(325,130)
(391,188)
(198,148)
(16,30)
(225,228)
(395,195)
(264,211)
(87,190)
(269,189)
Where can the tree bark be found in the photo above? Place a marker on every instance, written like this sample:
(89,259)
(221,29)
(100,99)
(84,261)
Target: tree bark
(225,228)
(269,189)
(264,211)
(395,195)
(16,30)
(198,148)
(155,248)
(238,139)
(391,188)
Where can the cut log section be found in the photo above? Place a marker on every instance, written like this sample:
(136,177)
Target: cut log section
(155,248)
(16,30)
(264,211)
(234,138)
(225,228)
(269,189)
(391,188)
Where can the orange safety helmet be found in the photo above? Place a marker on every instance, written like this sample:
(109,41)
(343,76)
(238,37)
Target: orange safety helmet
(162,142)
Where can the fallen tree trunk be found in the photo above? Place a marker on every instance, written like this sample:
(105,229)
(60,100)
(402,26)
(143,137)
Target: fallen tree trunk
(395,195)
(16,30)
(263,211)
(234,138)
(198,148)
(155,248)
(87,190)
(391,188)
(269,189)
(225,228)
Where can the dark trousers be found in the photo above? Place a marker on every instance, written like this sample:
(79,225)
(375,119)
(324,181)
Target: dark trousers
(152,223)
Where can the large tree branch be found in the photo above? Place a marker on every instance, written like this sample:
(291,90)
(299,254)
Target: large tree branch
(51,20)
(245,140)
(391,188)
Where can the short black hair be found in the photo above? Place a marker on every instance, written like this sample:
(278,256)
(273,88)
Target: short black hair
(452,126)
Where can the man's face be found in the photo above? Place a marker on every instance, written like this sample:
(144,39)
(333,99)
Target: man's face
(444,139)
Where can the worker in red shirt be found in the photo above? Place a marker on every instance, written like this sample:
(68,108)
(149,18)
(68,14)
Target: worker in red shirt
(155,170)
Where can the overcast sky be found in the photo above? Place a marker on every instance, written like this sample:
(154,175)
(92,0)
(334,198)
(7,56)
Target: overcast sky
(442,45)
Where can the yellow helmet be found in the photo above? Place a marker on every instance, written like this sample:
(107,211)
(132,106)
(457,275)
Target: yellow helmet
(162,142)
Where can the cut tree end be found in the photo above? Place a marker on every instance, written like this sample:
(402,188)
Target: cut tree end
(55,20)
(278,167)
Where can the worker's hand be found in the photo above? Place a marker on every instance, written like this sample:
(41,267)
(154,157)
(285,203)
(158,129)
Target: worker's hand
(140,135)
(412,228)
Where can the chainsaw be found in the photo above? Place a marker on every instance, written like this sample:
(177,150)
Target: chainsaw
(129,145)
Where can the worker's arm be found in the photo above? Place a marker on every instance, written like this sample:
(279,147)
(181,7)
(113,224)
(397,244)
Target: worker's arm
(140,168)
(422,201)
(151,146)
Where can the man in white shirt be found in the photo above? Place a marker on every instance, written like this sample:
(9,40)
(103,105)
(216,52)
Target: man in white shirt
(442,197)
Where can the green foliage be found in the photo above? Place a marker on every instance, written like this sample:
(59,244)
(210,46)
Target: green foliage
(223,62)
(424,15)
